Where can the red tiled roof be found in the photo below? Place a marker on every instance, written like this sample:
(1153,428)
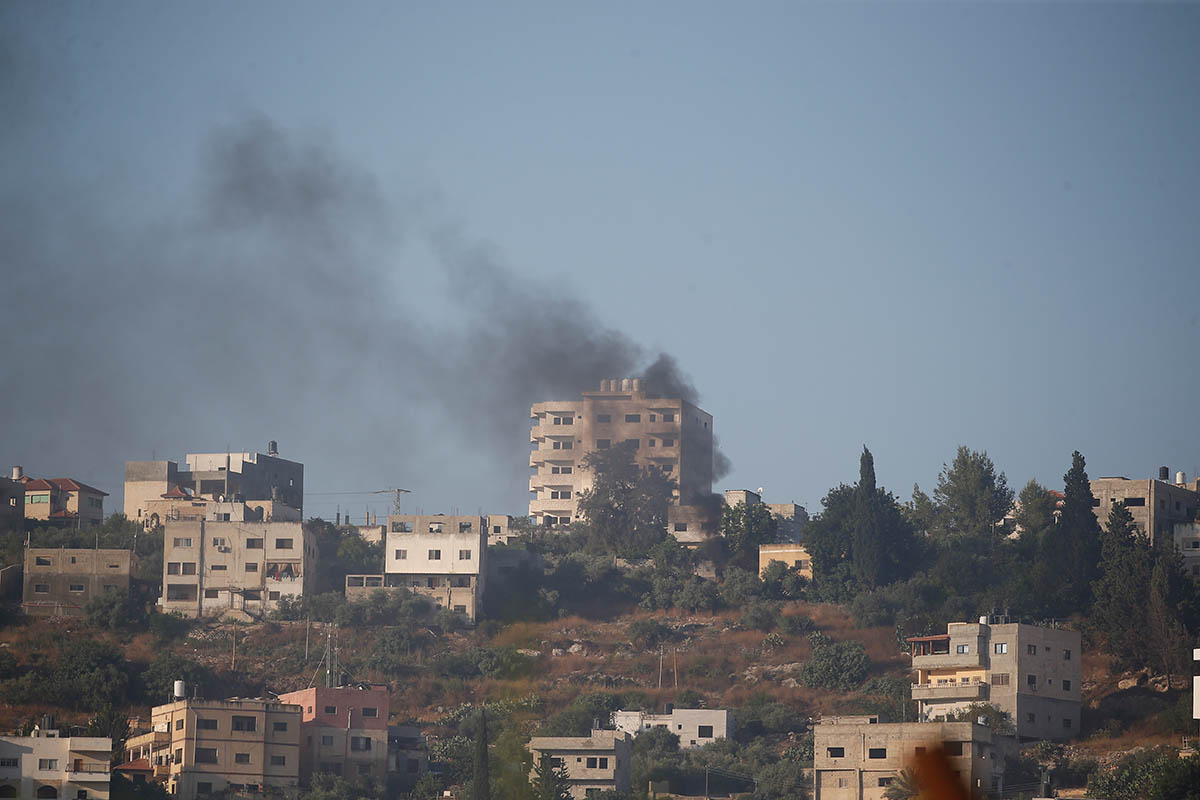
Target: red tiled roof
(72,485)
(38,485)
(174,492)
(63,514)
(137,765)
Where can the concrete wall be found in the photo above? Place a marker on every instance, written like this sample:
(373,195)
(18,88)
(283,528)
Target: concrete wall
(146,481)
(1187,542)
(60,581)
(685,723)
(793,555)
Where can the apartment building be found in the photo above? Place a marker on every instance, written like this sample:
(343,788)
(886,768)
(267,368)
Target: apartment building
(408,755)
(790,517)
(1187,543)
(695,727)
(242,744)
(343,730)
(61,501)
(59,581)
(793,555)
(441,557)
(500,528)
(180,505)
(234,477)
(1032,672)
(668,433)
(857,758)
(46,765)
(12,502)
(147,756)
(1155,505)
(599,762)
(240,568)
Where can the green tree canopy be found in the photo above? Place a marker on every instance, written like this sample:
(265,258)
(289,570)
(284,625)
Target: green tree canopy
(626,508)
(970,497)
(745,527)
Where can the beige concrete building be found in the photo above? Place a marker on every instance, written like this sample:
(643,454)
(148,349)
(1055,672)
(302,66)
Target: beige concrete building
(695,727)
(441,557)
(343,729)
(179,505)
(1033,673)
(60,581)
(239,568)
(1156,505)
(793,555)
(46,765)
(500,528)
(12,502)
(670,434)
(148,753)
(1187,542)
(857,758)
(61,501)
(233,477)
(599,762)
(236,745)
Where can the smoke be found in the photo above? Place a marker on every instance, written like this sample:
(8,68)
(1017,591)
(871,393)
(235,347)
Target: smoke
(275,300)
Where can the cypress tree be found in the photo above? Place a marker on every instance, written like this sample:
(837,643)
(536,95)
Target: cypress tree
(1070,557)
(869,554)
(480,786)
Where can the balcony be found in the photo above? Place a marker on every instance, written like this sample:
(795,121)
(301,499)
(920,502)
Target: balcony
(88,772)
(947,660)
(972,690)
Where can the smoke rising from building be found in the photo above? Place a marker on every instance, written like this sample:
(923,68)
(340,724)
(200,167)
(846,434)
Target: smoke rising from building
(275,301)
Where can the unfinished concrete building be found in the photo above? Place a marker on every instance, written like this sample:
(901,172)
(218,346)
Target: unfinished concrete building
(1031,672)
(1187,543)
(596,763)
(223,477)
(668,434)
(1155,505)
(59,581)
(695,727)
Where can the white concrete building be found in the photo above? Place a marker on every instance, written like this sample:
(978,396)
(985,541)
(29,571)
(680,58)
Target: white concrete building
(596,763)
(695,727)
(45,765)
(441,557)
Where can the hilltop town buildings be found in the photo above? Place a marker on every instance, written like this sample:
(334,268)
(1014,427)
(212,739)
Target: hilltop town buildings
(793,555)
(599,762)
(156,491)
(441,557)
(668,434)
(241,568)
(790,517)
(1155,505)
(60,501)
(60,581)
(1187,543)
(243,744)
(857,758)
(343,730)
(46,765)
(1031,672)
(695,727)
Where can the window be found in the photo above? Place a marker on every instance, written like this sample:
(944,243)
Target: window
(279,727)
(252,594)
(179,724)
(10,762)
(1135,501)
(668,417)
(178,755)
(283,544)
(78,588)
(327,741)
(680,527)
(564,445)
(603,444)
(245,724)
(435,555)
(188,567)
(885,781)
(634,443)
(183,541)
(919,750)
(1031,649)
(241,758)
(668,442)
(206,755)
(219,567)
(1066,686)
(181,591)
(206,724)
(251,567)
(1066,655)
(1000,648)
(254,544)
(1067,723)
(560,494)
(999,679)
(41,588)
(47,763)
(401,527)
(1031,681)
(278,761)
(1031,718)
(172,567)
(962,648)
(835,752)
(603,763)
(633,417)
(564,420)
(460,609)
(370,712)
(204,787)
(330,709)
(704,732)
(42,561)
(604,418)
(877,752)
(650,442)
(435,527)
(953,748)
(401,555)
(591,762)
(360,744)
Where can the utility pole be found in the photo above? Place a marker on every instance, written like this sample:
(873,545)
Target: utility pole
(675,660)
(233,658)
(660,665)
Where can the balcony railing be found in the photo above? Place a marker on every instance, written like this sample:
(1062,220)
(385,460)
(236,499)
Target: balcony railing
(947,660)
(971,690)
(88,769)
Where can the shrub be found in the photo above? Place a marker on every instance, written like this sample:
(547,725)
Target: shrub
(648,632)
(797,624)
(760,614)
(834,665)
(114,610)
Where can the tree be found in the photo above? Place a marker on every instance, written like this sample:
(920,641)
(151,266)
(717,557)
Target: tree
(1035,510)
(745,527)
(834,665)
(869,555)
(626,508)
(550,781)
(970,497)
(481,783)
(904,786)
(1165,633)
(111,723)
(114,610)
(1070,552)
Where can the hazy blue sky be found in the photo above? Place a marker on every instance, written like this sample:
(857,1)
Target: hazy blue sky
(905,225)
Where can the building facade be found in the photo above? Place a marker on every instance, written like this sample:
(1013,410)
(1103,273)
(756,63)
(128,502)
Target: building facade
(61,501)
(343,730)
(1155,505)
(46,765)
(599,762)
(671,435)
(236,745)
(12,502)
(1031,672)
(857,758)
(793,555)
(441,557)
(408,755)
(60,581)
(218,568)
(695,727)
(790,517)
(234,477)
(1187,542)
